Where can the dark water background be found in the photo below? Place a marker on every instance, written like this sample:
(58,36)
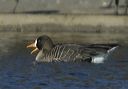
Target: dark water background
(17,70)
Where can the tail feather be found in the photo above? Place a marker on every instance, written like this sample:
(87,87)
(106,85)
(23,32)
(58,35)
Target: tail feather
(112,49)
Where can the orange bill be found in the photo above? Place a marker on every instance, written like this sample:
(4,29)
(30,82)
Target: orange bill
(33,46)
(35,50)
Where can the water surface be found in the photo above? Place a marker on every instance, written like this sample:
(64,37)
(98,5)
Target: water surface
(17,70)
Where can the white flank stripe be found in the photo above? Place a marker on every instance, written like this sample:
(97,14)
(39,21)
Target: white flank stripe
(56,52)
(71,53)
(66,53)
(59,52)
(62,52)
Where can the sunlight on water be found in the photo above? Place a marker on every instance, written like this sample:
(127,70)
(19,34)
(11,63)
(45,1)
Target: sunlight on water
(17,70)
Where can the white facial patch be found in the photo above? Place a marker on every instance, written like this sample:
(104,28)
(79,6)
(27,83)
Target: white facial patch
(35,43)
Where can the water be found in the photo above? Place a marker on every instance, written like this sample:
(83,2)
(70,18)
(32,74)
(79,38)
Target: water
(17,70)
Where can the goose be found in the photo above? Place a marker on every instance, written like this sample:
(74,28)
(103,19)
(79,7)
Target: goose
(49,52)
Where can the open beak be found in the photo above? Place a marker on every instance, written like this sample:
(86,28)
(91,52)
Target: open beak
(33,46)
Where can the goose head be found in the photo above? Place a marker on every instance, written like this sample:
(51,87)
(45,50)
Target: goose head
(43,44)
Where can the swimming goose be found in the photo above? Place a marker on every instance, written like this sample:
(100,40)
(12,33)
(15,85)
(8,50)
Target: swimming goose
(48,52)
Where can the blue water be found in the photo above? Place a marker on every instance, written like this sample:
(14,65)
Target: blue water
(18,71)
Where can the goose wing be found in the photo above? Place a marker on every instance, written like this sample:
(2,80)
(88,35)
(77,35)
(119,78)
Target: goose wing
(97,52)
